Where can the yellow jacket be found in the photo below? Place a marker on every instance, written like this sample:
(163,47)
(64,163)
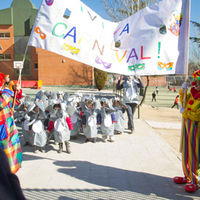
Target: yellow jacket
(192,106)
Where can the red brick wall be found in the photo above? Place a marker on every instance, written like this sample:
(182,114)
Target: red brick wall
(7,45)
(155,80)
(58,70)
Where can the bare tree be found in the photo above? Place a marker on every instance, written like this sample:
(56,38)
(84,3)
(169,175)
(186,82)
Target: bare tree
(120,9)
(195,54)
(193,66)
(196,38)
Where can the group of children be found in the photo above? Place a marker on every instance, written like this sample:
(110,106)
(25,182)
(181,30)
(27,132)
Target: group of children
(61,116)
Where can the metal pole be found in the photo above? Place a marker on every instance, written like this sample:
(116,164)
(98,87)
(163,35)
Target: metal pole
(186,77)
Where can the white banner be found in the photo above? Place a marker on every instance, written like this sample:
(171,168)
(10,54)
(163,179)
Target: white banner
(153,41)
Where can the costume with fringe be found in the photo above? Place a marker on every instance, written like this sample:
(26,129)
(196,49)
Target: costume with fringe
(9,139)
(191,136)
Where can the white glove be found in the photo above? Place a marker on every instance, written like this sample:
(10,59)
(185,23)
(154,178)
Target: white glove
(181,110)
(184,85)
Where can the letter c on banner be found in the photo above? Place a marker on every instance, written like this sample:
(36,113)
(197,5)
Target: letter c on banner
(54,29)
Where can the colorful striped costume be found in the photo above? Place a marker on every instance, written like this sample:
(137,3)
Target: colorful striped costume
(191,137)
(9,139)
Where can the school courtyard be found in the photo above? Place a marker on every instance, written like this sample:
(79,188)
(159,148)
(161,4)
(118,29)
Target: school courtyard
(137,166)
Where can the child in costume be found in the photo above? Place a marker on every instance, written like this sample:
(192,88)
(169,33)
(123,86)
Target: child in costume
(89,121)
(60,96)
(33,125)
(76,120)
(107,120)
(8,82)
(119,125)
(18,96)
(62,127)
(191,136)
(72,108)
(21,110)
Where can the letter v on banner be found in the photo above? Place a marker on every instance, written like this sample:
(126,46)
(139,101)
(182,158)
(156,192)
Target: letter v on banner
(92,18)
(120,59)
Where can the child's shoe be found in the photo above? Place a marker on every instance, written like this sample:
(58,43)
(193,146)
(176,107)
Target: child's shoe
(60,148)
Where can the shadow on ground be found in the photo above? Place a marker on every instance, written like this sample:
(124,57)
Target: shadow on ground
(121,180)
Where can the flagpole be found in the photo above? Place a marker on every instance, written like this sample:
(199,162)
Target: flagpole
(20,73)
(186,78)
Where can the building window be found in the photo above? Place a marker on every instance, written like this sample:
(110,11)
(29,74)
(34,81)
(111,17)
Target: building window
(36,66)
(5,57)
(1,47)
(4,35)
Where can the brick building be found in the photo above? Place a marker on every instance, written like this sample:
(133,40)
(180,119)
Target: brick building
(16,23)
(6,49)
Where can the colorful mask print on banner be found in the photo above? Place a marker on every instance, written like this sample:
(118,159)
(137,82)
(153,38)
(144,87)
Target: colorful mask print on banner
(73,50)
(167,66)
(136,67)
(105,64)
(38,31)
(175,24)
(49,2)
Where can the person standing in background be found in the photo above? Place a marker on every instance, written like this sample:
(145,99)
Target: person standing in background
(157,90)
(131,85)
(176,102)
(153,96)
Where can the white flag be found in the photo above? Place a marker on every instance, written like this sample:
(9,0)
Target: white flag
(153,41)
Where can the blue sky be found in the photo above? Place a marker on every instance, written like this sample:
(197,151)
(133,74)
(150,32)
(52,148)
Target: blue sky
(98,7)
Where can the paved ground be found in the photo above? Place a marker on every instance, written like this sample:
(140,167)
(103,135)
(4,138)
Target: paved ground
(134,167)
(164,125)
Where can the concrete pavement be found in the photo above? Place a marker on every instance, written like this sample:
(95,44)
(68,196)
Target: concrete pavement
(164,125)
(136,167)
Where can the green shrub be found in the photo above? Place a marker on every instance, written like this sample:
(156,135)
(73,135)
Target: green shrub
(100,78)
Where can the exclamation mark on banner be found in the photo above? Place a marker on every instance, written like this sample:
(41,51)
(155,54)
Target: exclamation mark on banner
(102,25)
(159,44)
